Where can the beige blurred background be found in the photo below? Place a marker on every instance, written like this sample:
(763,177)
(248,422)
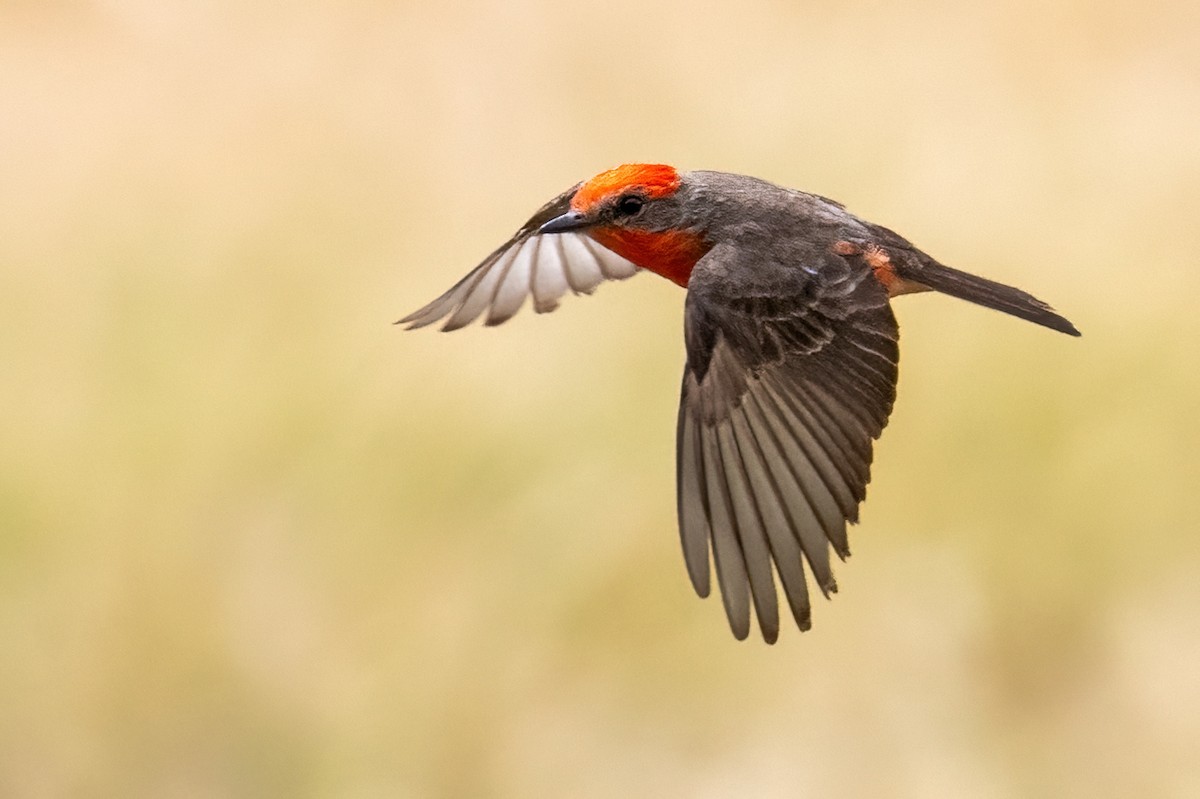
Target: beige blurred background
(255,541)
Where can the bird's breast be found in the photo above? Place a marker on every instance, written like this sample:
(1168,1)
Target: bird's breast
(670,253)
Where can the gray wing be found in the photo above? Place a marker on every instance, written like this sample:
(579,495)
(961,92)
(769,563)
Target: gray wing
(544,266)
(790,376)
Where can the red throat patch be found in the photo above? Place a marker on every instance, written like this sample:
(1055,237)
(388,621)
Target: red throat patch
(670,253)
(655,180)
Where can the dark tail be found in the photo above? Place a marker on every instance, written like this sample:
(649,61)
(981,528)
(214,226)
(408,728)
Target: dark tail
(992,295)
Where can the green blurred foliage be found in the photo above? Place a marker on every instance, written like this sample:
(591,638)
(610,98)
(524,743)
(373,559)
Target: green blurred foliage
(254,541)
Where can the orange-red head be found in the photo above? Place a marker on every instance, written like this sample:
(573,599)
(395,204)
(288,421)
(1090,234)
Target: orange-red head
(634,211)
(645,181)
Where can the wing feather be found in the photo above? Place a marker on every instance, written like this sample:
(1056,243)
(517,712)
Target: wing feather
(443,305)
(693,501)
(500,311)
(837,501)
(530,264)
(510,294)
(479,296)
(727,552)
(791,375)
(550,279)
(752,538)
(820,516)
(771,493)
(583,268)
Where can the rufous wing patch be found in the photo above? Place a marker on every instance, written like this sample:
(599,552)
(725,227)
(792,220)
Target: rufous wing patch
(882,266)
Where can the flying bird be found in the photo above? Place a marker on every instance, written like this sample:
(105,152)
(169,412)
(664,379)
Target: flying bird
(791,353)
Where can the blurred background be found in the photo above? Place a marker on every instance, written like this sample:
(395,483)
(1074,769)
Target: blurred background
(256,541)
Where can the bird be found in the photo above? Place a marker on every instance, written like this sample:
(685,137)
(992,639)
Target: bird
(791,354)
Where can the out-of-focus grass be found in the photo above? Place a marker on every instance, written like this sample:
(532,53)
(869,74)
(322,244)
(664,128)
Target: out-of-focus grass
(254,541)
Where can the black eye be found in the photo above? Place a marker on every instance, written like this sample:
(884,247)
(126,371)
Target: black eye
(628,206)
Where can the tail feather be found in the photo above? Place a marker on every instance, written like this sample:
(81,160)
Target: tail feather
(991,294)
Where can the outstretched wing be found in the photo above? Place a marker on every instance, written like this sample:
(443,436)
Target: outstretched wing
(544,266)
(790,376)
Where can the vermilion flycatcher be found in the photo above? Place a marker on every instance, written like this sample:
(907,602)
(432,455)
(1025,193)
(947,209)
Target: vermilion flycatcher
(791,353)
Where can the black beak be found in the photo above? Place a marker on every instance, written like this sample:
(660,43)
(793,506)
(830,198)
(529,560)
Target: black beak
(571,220)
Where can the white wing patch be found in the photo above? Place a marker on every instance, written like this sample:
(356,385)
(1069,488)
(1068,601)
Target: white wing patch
(544,266)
